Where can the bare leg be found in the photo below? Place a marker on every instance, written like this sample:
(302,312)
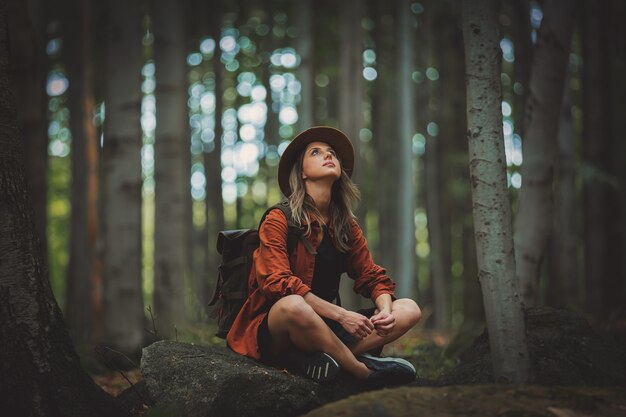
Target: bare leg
(292,322)
(406,313)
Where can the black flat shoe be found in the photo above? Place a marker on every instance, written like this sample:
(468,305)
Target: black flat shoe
(317,366)
(387,372)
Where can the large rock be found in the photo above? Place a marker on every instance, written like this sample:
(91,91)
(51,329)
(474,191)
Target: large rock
(197,381)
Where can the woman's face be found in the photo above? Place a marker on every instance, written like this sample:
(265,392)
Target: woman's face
(320,163)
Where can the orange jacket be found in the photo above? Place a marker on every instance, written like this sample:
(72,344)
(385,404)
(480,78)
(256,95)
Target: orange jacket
(275,275)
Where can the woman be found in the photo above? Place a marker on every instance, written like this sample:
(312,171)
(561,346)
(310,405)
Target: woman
(289,314)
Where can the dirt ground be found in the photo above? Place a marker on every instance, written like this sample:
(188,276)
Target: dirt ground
(482,400)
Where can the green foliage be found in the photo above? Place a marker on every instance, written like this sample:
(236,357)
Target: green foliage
(430,360)
(58,226)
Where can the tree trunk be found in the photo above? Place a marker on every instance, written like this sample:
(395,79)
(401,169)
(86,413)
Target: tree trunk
(171,174)
(29,67)
(523,57)
(533,222)
(405,218)
(563,284)
(473,310)
(384,131)
(491,207)
(40,372)
(84,277)
(435,191)
(350,97)
(304,46)
(213,161)
(123,308)
(597,151)
(617,67)
(457,204)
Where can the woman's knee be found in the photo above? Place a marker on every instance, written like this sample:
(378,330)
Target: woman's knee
(295,310)
(410,311)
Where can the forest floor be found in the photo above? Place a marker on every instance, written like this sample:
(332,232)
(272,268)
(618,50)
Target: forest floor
(435,353)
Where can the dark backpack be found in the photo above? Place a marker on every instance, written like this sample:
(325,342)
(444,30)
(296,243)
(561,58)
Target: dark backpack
(236,248)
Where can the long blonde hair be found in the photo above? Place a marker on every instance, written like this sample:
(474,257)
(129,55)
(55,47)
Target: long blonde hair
(344,198)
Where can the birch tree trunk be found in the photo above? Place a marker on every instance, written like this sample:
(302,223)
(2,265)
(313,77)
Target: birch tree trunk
(350,96)
(304,46)
(405,256)
(83,274)
(491,207)
(29,67)
(533,222)
(123,301)
(597,151)
(40,372)
(563,285)
(171,147)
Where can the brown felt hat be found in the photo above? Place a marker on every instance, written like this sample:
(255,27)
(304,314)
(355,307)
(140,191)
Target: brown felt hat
(334,137)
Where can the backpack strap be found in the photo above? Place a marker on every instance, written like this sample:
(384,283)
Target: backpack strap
(294,232)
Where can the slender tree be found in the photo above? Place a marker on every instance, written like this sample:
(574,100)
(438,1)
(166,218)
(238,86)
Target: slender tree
(491,206)
(40,372)
(433,161)
(212,160)
(563,283)
(533,221)
(171,147)
(405,256)
(123,302)
(384,131)
(83,273)
(597,155)
(350,97)
(521,31)
(304,47)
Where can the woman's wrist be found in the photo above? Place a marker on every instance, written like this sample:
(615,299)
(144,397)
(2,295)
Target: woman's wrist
(383,303)
(340,313)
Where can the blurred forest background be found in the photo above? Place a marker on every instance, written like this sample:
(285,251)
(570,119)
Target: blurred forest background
(151,125)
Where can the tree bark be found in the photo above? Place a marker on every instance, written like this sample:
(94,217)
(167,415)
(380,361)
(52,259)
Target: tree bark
(473,310)
(433,161)
(40,372)
(384,131)
(617,67)
(563,284)
(533,222)
(84,276)
(491,207)
(123,308)
(171,175)
(523,47)
(213,161)
(405,218)
(29,66)
(304,46)
(597,154)
(350,97)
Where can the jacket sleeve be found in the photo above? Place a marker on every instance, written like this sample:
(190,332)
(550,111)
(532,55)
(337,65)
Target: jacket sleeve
(370,280)
(273,271)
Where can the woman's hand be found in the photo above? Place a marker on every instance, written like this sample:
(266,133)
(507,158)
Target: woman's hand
(383,322)
(356,324)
